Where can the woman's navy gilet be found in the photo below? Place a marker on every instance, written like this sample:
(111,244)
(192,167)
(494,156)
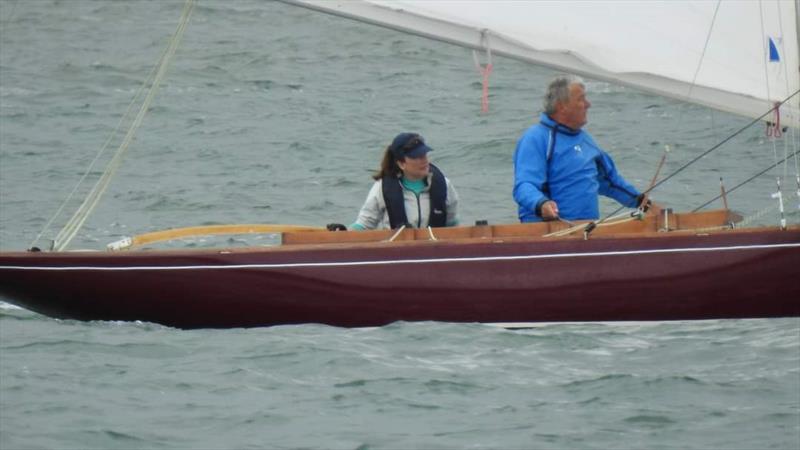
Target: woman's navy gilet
(396,207)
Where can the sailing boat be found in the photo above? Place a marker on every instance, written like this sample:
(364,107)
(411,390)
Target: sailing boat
(674,266)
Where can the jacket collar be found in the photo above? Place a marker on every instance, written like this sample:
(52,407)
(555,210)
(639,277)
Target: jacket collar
(427,180)
(547,121)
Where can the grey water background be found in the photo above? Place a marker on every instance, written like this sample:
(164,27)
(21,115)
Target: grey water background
(276,114)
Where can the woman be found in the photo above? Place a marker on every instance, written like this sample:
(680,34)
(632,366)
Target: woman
(408,190)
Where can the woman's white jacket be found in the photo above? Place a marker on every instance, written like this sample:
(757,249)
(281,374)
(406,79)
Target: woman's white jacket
(373,214)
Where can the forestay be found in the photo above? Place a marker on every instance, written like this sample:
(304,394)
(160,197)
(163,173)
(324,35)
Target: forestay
(735,56)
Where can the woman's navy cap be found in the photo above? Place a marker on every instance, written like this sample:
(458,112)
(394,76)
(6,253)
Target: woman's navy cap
(409,145)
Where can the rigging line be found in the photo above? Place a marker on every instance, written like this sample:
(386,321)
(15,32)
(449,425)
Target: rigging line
(796,166)
(786,80)
(793,132)
(764,35)
(705,47)
(73,222)
(688,96)
(69,230)
(777,129)
(786,152)
(728,191)
(645,199)
(74,225)
(700,156)
(76,221)
(693,83)
(125,117)
(724,141)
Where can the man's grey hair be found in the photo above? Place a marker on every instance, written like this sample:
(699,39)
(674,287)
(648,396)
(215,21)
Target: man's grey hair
(558,91)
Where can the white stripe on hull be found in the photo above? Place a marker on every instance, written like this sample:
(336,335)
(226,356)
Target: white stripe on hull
(408,261)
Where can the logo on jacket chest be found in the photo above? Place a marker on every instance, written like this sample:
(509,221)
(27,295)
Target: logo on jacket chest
(577,148)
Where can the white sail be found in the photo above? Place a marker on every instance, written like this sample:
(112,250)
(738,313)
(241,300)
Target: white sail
(739,56)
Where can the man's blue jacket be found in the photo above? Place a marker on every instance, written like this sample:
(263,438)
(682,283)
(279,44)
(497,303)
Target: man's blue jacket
(555,162)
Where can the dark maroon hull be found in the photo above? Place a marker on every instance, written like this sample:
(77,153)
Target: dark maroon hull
(663,277)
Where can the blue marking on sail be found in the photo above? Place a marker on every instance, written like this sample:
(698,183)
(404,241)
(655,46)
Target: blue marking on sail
(773,51)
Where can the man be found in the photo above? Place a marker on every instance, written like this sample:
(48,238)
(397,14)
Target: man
(558,168)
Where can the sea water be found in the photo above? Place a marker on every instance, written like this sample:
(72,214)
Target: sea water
(275,114)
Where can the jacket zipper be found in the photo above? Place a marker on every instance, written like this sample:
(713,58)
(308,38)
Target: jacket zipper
(419,211)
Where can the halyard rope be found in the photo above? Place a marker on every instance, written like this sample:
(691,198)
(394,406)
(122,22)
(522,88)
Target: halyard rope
(71,228)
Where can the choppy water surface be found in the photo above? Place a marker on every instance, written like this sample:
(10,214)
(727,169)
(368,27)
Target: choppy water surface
(716,384)
(275,114)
